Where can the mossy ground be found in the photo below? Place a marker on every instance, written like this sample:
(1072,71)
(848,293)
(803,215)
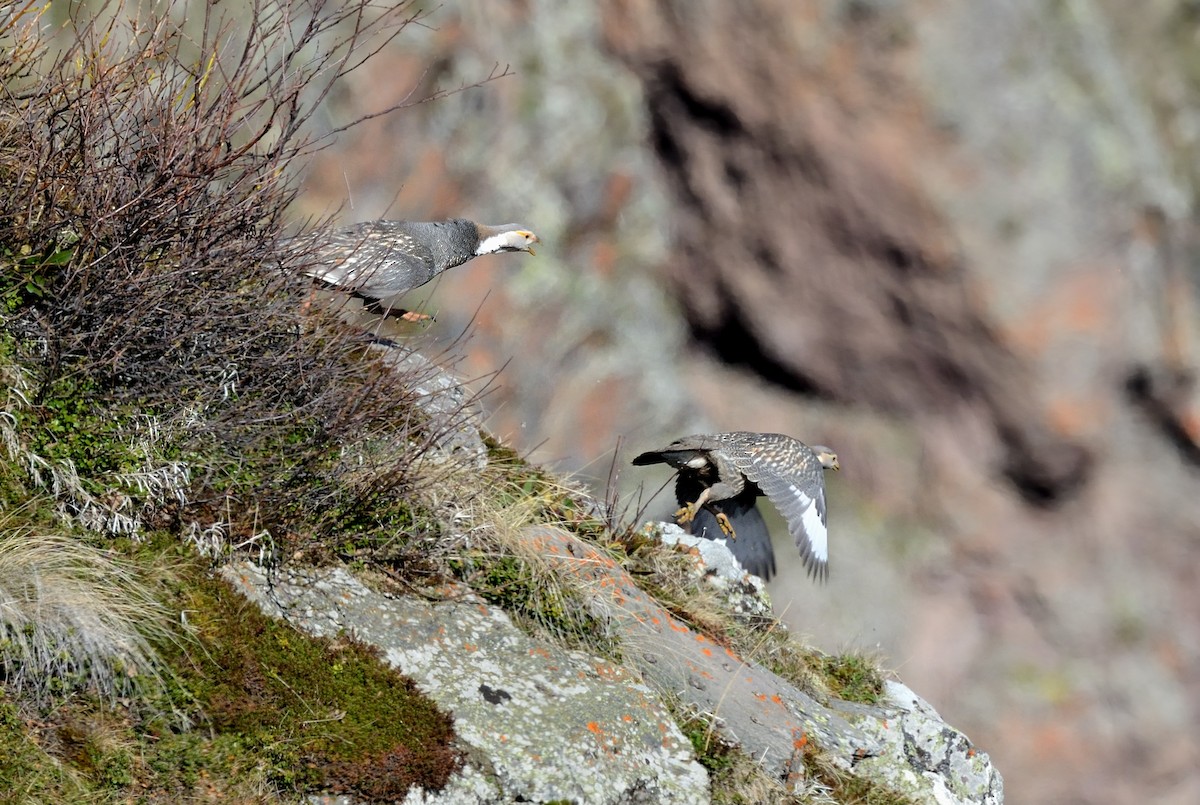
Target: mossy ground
(270,710)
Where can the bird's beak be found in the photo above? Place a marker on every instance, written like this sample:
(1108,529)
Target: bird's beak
(836,466)
(532,240)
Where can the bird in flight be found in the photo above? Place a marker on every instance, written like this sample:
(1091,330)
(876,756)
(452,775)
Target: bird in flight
(722,474)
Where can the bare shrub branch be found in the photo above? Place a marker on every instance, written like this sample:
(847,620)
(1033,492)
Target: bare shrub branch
(146,163)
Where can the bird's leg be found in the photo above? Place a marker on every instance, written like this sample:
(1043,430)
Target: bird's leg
(412,315)
(729,486)
(688,512)
(388,312)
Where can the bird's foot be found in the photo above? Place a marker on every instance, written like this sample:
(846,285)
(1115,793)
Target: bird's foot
(726,526)
(686,514)
(388,312)
(412,315)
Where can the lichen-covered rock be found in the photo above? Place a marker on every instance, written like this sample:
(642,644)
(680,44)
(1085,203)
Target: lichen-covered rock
(923,753)
(454,421)
(538,723)
(772,719)
(542,723)
(745,593)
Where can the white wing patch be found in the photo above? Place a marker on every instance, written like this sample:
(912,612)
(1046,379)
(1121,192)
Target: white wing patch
(810,523)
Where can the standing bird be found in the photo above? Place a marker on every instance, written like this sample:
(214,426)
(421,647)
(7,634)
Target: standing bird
(721,475)
(379,260)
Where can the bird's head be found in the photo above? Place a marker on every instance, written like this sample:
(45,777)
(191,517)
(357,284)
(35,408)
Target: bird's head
(827,457)
(506,238)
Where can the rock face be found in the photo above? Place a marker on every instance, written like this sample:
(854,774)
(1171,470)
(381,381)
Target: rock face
(541,723)
(453,415)
(1034,162)
(806,251)
(538,723)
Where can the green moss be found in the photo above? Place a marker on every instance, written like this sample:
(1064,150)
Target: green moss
(319,713)
(94,740)
(540,605)
(377,527)
(734,777)
(26,273)
(501,454)
(27,773)
(269,709)
(846,786)
(851,677)
(712,752)
(70,425)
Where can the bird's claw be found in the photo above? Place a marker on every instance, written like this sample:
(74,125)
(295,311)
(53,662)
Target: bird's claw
(686,514)
(412,315)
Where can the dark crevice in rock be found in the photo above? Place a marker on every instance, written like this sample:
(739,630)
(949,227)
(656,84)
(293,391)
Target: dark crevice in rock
(1162,395)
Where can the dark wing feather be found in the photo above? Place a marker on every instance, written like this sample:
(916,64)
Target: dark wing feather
(674,455)
(751,544)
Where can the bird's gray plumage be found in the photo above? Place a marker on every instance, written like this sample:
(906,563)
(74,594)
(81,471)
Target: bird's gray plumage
(727,471)
(381,259)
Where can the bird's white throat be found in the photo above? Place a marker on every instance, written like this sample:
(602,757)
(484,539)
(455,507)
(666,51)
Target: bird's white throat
(504,241)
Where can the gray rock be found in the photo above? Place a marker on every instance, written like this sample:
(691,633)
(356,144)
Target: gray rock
(537,722)
(926,756)
(903,742)
(745,593)
(541,723)
(454,423)
(769,717)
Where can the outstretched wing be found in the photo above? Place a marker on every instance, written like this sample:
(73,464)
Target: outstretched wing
(799,496)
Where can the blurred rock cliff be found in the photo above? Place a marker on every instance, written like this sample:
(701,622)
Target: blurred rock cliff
(955,241)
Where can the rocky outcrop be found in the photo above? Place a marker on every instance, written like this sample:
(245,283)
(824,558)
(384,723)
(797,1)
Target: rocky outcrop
(539,723)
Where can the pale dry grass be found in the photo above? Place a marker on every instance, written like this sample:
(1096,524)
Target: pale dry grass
(74,616)
(488,515)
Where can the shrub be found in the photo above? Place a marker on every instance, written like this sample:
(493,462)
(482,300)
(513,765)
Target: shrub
(146,165)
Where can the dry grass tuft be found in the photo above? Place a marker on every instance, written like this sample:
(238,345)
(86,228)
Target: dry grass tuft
(490,546)
(75,616)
